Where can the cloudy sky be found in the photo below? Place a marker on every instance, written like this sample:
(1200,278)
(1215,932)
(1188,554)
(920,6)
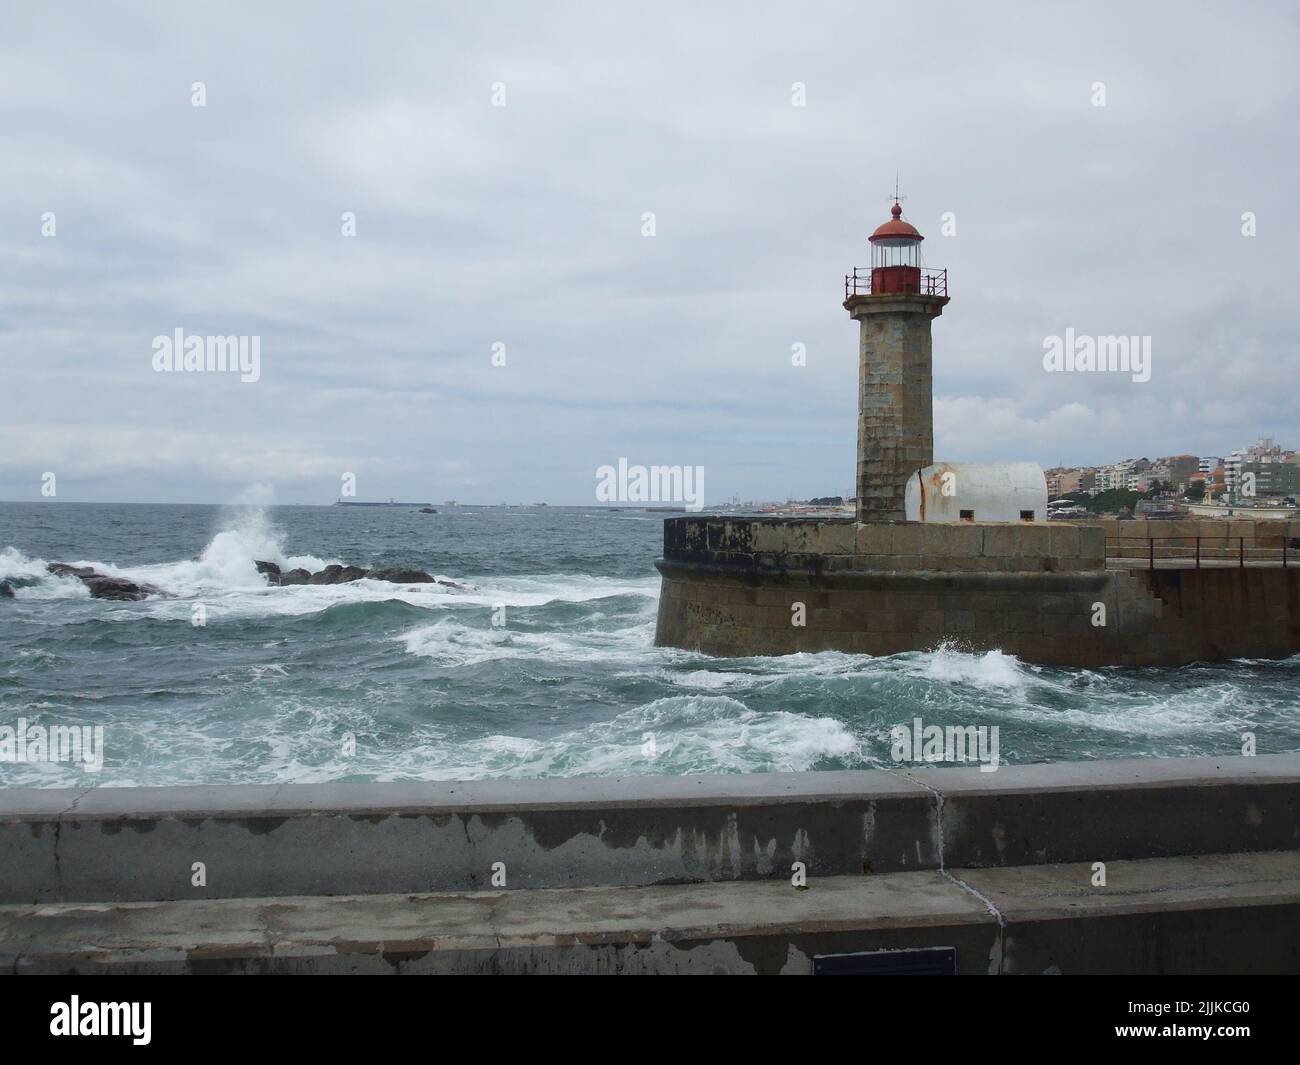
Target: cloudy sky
(522,225)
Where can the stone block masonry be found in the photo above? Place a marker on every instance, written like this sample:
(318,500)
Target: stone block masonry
(1045,593)
(895,398)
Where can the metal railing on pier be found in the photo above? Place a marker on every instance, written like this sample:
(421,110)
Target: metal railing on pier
(1174,551)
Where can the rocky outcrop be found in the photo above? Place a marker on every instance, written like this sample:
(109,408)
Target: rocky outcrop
(103,586)
(336,574)
(404,576)
(118,588)
(62,569)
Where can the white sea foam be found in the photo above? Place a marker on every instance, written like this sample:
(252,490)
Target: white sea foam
(227,563)
(298,740)
(16,566)
(452,642)
(989,669)
(692,734)
(540,589)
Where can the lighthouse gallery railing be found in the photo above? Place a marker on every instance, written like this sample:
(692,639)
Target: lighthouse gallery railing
(858,283)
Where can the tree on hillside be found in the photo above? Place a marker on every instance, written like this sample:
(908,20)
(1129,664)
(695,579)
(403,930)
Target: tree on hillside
(1114,500)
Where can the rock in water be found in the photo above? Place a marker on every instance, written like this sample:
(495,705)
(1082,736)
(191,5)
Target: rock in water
(119,588)
(6,592)
(62,569)
(401,576)
(336,574)
(102,586)
(328,575)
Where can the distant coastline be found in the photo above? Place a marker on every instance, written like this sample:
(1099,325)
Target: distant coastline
(389,503)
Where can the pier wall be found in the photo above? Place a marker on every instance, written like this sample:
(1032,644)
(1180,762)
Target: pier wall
(1045,592)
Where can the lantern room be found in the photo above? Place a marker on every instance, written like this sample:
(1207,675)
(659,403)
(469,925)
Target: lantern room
(896,256)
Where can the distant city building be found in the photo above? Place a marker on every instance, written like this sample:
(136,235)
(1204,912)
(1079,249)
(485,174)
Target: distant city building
(1181,469)
(1219,475)
(1275,479)
(1264,450)
(1113,476)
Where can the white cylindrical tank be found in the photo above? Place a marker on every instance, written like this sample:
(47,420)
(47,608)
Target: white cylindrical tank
(971,491)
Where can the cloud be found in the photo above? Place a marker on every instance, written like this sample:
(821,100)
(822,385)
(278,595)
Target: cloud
(522,225)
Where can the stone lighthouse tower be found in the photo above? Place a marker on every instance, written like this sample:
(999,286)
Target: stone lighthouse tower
(893,303)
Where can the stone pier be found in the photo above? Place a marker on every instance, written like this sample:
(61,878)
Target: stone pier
(1047,593)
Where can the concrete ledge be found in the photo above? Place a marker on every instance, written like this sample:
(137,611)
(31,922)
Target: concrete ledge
(1101,811)
(1183,915)
(733,927)
(119,844)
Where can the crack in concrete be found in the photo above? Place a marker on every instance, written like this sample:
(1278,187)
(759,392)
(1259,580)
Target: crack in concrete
(943,871)
(470,853)
(76,799)
(265,919)
(498,951)
(58,831)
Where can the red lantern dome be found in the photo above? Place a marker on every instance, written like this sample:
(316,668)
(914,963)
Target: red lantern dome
(896,233)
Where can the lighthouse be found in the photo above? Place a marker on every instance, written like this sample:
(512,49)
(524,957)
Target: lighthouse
(894,302)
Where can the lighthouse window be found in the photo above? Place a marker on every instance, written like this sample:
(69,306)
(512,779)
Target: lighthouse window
(967,515)
(1026,515)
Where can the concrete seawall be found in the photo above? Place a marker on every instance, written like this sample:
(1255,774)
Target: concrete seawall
(666,874)
(121,844)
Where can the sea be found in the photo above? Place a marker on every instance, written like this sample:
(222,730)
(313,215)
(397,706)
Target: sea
(539,662)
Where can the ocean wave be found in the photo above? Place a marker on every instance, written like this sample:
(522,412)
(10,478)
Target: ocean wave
(669,736)
(453,642)
(991,671)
